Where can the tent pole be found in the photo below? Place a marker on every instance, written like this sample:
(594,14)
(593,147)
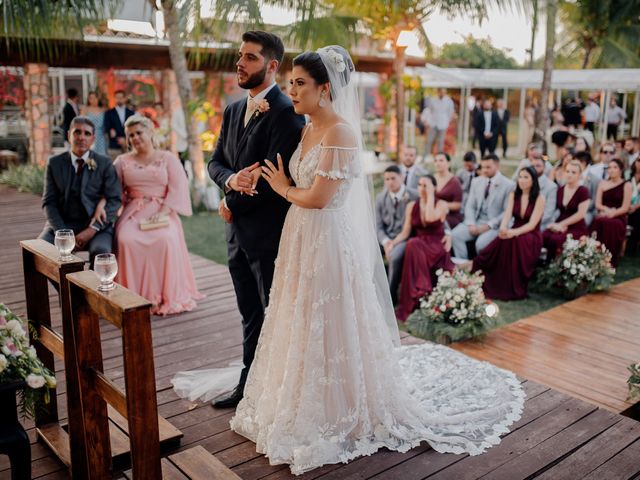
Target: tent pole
(461,109)
(521,139)
(635,122)
(624,107)
(605,113)
(465,125)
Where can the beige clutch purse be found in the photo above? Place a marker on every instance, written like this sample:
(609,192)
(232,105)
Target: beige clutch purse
(162,222)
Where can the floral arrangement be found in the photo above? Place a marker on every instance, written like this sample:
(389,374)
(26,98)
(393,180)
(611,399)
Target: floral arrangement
(583,266)
(634,382)
(456,309)
(19,362)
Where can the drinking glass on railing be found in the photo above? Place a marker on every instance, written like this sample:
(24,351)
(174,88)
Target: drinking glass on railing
(106,268)
(64,241)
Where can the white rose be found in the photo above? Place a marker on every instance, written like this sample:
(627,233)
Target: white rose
(51,381)
(35,381)
(3,363)
(31,353)
(15,327)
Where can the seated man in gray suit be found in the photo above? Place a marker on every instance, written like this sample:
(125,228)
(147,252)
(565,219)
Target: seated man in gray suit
(548,189)
(74,184)
(410,171)
(391,204)
(484,209)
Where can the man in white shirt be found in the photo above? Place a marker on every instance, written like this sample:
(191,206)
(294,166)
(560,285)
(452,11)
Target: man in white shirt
(632,149)
(615,117)
(591,114)
(438,113)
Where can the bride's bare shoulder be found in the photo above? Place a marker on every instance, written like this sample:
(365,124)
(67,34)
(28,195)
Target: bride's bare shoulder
(340,135)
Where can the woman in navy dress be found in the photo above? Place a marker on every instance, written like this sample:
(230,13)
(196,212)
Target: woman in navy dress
(509,261)
(613,200)
(427,250)
(572,204)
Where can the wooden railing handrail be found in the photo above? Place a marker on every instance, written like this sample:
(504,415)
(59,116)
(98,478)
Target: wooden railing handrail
(47,259)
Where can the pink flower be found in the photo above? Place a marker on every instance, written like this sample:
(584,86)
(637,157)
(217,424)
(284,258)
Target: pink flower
(263,106)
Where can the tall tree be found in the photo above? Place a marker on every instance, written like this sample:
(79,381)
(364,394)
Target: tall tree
(542,122)
(475,53)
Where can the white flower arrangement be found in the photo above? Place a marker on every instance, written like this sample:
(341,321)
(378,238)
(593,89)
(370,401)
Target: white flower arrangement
(634,382)
(456,309)
(19,362)
(583,266)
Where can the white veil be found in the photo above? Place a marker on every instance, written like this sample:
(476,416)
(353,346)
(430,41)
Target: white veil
(344,95)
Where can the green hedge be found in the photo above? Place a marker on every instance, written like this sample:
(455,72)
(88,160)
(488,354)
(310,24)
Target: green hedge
(26,178)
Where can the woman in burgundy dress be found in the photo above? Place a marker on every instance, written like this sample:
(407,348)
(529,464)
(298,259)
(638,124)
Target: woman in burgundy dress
(613,200)
(428,249)
(508,261)
(573,202)
(448,188)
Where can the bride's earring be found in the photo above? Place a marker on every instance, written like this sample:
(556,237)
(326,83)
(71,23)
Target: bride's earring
(322,103)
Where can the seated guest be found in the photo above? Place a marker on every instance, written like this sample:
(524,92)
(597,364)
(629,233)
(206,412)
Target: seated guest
(589,180)
(427,251)
(557,173)
(391,204)
(581,145)
(466,174)
(634,209)
(154,263)
(75,182)
(410,170)
(509,261)
(632,150)
(548,190)
(572,204)
(613,200)
(534,150)
(599,170)
(484,209)
(448,188)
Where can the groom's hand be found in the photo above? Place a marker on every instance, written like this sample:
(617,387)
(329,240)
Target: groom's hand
(224,212)
(244,181)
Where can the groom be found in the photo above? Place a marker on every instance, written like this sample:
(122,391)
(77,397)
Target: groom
(253,129)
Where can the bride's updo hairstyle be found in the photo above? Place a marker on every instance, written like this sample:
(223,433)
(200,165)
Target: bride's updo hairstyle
(317,64)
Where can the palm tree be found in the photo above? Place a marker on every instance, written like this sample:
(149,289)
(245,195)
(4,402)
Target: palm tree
(542,122)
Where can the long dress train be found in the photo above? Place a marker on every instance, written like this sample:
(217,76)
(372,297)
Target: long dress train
(508,264)
(327,383)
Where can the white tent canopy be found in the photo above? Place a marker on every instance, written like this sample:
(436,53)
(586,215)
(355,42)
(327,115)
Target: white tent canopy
(606,80)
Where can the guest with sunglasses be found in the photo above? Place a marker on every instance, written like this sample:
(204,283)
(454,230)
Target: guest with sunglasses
(600,170)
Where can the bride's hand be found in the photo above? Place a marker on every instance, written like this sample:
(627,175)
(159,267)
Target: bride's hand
(275,176)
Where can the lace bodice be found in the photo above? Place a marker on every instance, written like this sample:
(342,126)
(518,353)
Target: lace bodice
(335,163)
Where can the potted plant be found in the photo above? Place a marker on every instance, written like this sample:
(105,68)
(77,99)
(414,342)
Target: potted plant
(455,310)
(583,266)
(21,371)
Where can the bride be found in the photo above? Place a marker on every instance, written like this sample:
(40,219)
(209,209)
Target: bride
(330,381)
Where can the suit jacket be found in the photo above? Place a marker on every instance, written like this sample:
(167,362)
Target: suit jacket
(497,199)
(389,218)
(549,190)
(495,124)
(112,121)
(257,221)
(413,177)
(504,121)
(68,114)
(95,184)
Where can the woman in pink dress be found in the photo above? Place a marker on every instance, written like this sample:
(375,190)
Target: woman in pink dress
(427,251)
(572,204)
(154,262)
(448,188)
(509,261)
(613,200)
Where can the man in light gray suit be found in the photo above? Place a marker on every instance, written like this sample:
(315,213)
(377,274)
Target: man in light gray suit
(484,209)
(548,189)
(408,167)
(391,205)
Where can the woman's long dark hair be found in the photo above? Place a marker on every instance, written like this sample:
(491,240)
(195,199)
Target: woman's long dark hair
(535,186)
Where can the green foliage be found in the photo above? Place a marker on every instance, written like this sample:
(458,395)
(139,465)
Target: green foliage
(634,382)
(26,178)
(475,53)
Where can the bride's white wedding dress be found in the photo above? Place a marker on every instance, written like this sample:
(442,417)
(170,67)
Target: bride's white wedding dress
(327,384)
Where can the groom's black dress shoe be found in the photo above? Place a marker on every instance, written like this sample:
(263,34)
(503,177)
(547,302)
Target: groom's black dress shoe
(230,400)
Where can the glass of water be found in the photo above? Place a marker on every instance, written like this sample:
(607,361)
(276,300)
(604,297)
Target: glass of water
(65,241)
(106,268)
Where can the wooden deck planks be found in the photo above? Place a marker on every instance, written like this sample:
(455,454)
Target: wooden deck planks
(556,436)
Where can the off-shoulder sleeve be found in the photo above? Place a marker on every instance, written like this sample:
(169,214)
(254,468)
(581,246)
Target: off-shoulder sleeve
(338,163)
(177,197)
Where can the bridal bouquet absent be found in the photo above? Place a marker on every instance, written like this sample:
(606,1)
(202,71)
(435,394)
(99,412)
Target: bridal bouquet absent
(455,310)
(583,266)
(19,362)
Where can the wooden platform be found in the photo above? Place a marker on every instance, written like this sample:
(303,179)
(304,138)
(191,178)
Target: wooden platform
(558,437)
(581,348)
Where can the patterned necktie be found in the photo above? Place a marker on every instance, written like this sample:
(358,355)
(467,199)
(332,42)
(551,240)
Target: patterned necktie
(486,190)
(79,165)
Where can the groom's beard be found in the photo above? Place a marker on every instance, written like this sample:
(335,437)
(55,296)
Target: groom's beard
(254,80)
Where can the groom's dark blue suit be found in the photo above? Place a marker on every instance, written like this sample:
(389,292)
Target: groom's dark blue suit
(254,234)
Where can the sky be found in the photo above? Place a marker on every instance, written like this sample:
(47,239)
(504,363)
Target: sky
(507,30)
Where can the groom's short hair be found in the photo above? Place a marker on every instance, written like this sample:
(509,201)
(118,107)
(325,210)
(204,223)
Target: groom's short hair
(272,46)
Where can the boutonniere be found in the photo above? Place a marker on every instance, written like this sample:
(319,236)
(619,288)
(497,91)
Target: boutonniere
(91,164)
(263,107)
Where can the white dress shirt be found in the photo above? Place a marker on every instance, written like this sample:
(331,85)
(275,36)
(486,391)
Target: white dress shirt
(487,121)
(441,110)
(592,112)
